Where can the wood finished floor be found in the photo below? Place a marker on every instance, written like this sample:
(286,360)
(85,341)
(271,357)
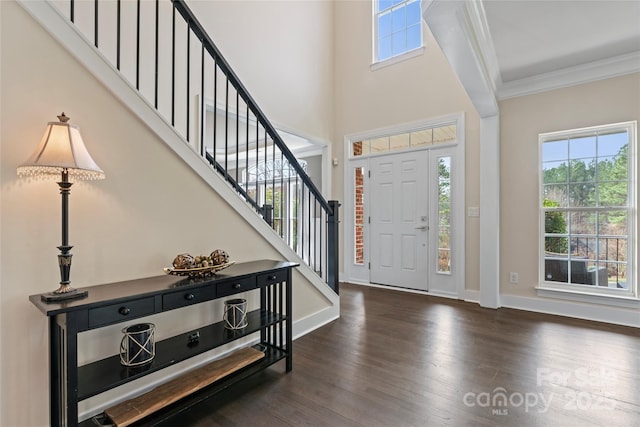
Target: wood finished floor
(400,359)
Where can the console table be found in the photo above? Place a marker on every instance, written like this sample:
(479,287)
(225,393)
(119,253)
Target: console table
(123,301)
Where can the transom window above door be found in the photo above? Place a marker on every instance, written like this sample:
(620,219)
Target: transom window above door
(397,28)
(437,135)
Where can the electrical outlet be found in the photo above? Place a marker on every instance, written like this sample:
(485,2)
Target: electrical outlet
(513,277)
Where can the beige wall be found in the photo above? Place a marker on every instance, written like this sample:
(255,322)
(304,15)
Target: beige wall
(419,88)
(282,51)
(150,207)
(521,120)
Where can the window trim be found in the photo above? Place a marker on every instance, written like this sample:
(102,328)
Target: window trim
(377,64)
(628,298)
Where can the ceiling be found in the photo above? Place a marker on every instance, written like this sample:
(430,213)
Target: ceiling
(536,37)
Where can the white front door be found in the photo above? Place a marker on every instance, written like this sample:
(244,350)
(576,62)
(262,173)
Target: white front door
(399,220)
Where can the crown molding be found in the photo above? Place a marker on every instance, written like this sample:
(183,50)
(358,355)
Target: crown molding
(571,76)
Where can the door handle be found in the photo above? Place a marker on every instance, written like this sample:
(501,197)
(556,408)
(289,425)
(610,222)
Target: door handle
(424,227)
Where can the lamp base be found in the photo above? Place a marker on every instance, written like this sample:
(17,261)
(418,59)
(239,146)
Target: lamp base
(54,297)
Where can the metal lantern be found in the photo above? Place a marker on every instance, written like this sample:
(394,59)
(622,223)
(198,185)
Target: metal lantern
(138,345)
(235,313)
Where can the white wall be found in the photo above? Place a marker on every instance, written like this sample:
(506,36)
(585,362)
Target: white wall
(150,207)
(419,88)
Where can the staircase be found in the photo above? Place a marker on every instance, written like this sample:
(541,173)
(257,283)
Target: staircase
(161,51)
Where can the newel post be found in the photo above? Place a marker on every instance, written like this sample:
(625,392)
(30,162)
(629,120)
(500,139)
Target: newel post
(333,258)
(267,214)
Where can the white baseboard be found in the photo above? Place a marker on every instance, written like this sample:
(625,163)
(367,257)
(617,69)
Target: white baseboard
(472,296)
(314,321)
(598,313)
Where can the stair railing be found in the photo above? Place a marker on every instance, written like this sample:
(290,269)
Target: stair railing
(161,48)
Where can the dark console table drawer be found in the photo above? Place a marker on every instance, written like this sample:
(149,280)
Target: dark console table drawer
(235,286)
(120,312)
(187,297)
(271,278)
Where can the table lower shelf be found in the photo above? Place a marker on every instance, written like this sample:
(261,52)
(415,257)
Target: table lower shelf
(272,355)
(105,374)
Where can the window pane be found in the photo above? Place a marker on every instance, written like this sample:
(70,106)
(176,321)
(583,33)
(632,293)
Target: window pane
(413,13)
(613,168)
(556,270)
(444,134)
(384,48)
(398,19)
(583,222)
(584,247)
(582,195)
(444,261)
(556,246)
(414,39)
(555,150)
(579,272)
(379,145)
(444,214)
(555,222)
(384,25)
(357,148)
(617,275)
(612,249)
(359,216)
(555,194)
(582,170)
(613,194)
(421,137)
(398,42)
(581,148)
(613,222)
(612,144)
(397,142)
(384,4)
(555,172)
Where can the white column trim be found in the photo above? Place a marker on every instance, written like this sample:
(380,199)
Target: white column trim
(490,212)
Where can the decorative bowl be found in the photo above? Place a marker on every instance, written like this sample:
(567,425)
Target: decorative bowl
(198,271)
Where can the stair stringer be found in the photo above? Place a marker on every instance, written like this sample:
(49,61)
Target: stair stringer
(50,18)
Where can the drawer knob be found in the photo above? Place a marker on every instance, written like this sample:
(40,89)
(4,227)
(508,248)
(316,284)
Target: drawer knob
(124,310)
(274,277)
(237,286)
(189,297)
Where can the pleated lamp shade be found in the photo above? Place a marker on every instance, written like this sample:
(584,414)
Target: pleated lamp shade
(61,148)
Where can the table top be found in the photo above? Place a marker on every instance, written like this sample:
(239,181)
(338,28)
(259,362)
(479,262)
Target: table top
(121,291)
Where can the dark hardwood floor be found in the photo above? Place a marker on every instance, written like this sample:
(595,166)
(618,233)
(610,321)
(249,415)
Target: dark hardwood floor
(400,359)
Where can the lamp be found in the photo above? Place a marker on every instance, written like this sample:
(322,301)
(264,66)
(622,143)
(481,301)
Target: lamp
(61,152)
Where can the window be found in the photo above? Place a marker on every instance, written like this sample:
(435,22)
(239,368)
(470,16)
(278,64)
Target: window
(397,27)
(444,215)
(443,134)
(358,219)
(587,209)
